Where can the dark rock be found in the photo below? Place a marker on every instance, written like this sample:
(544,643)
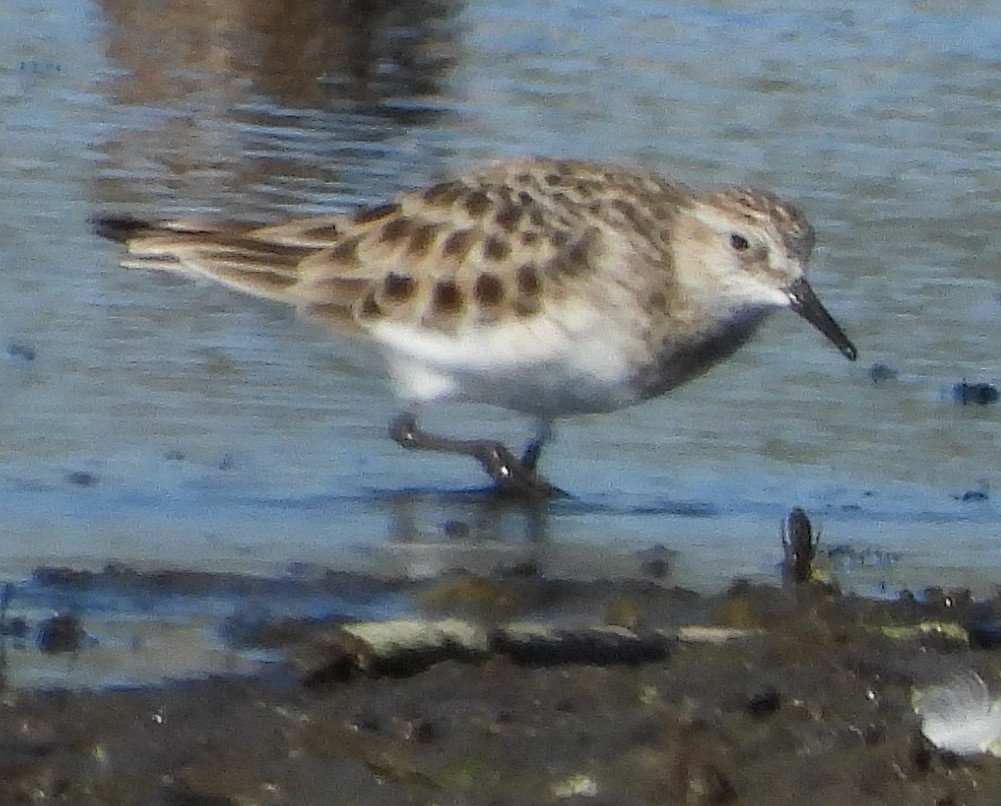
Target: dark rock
(81,478)
(974,394)
(62,633)
(21,351)
(880,373)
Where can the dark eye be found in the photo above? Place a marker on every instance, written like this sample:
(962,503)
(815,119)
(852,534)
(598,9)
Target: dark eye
(739,242)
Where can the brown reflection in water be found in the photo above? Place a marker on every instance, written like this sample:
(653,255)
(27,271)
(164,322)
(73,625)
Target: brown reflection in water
(233,81)
(304,53)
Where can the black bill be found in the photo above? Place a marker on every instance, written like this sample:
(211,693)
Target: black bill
(805,303)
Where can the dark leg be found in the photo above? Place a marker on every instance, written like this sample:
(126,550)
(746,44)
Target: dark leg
(543,433)
(513,476)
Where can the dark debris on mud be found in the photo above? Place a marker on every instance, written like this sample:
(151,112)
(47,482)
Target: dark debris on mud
(804,696)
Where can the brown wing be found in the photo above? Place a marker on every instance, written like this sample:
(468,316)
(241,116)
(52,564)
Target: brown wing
(466,252)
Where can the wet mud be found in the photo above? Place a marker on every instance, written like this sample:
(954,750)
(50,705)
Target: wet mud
(760,694)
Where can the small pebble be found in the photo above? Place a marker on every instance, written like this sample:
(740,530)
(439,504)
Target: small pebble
(456,529)
(974,495)
(21,351)
(61,633)
(799,546)
(878,373)
(655,562)
(980,394)
(82,478)
(764,702)
(16,627)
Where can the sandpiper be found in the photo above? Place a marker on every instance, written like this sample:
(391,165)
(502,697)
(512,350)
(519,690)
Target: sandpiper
(550,287)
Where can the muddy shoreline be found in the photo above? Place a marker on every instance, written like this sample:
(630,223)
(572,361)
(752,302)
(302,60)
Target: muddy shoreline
(799,694)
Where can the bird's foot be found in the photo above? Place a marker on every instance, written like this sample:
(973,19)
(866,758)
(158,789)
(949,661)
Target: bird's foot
(515,478)
(403,430)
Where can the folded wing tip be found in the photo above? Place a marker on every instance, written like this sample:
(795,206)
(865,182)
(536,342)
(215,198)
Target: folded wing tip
(118,228)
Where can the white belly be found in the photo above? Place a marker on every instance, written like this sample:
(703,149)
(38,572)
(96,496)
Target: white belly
(549,366)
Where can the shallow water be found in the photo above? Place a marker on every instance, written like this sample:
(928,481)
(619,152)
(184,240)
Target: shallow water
(165,422)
